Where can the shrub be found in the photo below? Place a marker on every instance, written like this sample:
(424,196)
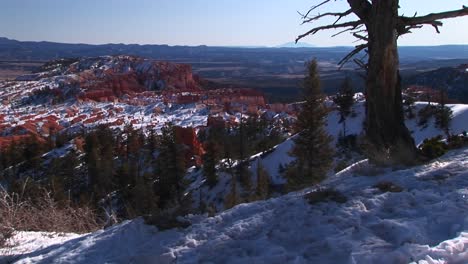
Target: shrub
(425,114)
(326,194)
(349,142)
(298,179)
(42,214)
(387,186)
(457,141)
(171,216)
(433,147)
(5,234)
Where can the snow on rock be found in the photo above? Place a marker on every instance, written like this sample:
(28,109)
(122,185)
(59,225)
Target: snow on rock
(427,222)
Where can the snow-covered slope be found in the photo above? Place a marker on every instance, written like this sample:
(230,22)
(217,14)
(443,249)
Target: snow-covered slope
(271,161)
(427,222)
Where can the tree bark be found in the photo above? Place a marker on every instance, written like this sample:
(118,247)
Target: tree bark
(390,140)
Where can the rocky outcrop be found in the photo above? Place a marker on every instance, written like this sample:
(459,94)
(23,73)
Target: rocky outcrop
(193,151)
(110,77)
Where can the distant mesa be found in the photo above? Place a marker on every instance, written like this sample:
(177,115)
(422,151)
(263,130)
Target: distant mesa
(295,45)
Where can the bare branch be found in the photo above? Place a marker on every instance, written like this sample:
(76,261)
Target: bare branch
(360,37)
(358,49)
(348,29)
(430,19)
(352,25)
(408,29)
(315,7)
(337,14)
(436,25)
(361,64)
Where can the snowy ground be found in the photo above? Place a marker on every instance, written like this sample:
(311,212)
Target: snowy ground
(214,197)
(425,223)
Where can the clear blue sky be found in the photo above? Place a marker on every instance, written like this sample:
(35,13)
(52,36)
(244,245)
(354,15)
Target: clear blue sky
(195,22)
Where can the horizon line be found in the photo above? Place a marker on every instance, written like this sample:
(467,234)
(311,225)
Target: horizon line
(217,46)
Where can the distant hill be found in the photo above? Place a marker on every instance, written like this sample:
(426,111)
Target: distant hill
(452,79)
(43,50)
(295,45)
(274,71)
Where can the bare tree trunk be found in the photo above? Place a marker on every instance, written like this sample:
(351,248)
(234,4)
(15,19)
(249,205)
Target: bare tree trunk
(385,126)
(390,140)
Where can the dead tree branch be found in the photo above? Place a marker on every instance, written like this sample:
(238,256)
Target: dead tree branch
(351,25)
(346,30)
(407,23)
(315,7)
(337,14)
(350,55)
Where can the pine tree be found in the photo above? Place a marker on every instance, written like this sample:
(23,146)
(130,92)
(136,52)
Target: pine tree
(99,157)
(242,170)
(344,100)
(443,115)
(312,149)
(263,181)
(214,151)
(232,198)
(170,167)
(209,163)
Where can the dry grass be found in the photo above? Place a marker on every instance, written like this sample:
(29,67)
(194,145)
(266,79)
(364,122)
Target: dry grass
(44,214)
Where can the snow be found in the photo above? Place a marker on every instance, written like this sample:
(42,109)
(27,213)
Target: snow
(27,242)
(425,223)
(271,160)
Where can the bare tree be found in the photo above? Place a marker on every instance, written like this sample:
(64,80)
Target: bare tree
(378,26)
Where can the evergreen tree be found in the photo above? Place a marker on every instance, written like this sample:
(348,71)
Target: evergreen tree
(244,176)
(232,198)
(312,149)
(263,182)
(344,100)
(214,151)
(142,199)
(443,115)
(242,170)
(409,104)
(99,157)
(209,163)
(170,166)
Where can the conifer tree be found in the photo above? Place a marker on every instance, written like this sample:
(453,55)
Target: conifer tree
(312,149)
(99,156)
(344,100)
(242,171)
(232,198)
(214,151)
(209,163)
(443,115)
(263,181)
(170,166)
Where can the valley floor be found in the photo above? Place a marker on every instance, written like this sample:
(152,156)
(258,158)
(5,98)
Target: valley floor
(427,222)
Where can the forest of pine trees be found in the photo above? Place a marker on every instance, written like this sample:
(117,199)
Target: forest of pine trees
(136,174)
(127,173)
